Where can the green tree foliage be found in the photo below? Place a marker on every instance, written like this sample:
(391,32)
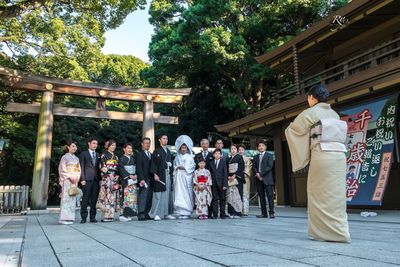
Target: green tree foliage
(21,128)
(73,31)
(210,45)
(121,70)
(62,39)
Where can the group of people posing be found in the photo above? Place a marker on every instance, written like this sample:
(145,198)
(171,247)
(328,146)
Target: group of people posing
(154,186)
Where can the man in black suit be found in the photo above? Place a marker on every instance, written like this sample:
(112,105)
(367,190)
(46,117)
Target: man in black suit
(143,165)
(219,174)
(262,168)
(204,154)
(90,175)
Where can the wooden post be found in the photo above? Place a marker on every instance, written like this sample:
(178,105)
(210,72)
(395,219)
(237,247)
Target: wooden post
(296,70)
(148,121)
(41,169)
(279,173)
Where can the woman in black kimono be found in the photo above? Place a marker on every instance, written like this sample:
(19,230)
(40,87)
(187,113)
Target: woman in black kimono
(236,180)
(128,178)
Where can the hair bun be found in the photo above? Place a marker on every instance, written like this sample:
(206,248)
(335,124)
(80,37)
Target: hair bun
(319,92)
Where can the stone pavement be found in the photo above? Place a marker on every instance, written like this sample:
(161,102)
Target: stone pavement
(37,240)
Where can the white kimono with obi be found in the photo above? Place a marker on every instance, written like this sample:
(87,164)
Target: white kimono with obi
(183,184)
(321,147)
(69,171)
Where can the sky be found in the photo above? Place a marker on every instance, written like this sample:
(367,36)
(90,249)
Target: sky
(132,37)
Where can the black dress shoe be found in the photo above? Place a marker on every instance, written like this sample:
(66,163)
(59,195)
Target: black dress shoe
(262,216)
(83,221)
(147,217)
(223,216)
(272,216)
(93,221)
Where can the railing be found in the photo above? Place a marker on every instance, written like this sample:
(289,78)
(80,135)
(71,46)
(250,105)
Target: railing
(373,57)
(14,199)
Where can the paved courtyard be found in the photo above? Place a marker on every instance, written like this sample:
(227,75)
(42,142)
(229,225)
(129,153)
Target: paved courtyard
(37,240)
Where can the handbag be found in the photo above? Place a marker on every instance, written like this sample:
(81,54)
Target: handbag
(73,191)
(233,182)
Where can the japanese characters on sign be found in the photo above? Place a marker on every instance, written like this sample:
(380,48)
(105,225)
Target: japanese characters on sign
(370,143)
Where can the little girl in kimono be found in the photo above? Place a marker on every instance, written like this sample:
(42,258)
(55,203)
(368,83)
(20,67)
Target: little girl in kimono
(202,189)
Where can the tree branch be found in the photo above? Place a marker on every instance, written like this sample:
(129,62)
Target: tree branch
(8,12)
(6,38)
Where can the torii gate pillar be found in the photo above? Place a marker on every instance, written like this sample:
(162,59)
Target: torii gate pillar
(41,169)
(148,122)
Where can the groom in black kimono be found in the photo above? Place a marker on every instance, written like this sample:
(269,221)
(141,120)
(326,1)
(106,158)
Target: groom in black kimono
(161,168)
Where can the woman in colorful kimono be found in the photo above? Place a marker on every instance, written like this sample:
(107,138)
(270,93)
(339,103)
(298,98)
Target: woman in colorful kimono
(183,177)
(202,189)
(235,183)
(128,177)
(109,182)
(69,171)
(317,137)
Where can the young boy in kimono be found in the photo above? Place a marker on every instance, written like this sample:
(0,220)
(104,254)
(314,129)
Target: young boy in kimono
(202,189)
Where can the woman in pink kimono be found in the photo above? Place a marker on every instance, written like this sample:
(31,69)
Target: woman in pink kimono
(69,171)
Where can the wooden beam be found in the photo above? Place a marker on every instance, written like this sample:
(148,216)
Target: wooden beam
(90,113)
(382,76)
(319,31)
(24,81)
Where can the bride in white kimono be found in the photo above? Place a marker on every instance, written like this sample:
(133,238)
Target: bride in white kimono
(184,167)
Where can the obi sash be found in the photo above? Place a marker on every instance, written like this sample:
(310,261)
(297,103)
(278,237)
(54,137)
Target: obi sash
(72,167)
(330,134)
(233,167)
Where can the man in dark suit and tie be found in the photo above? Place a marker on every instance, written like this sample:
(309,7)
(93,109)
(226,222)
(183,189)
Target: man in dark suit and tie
(90,175)
(219,174)
(143,171)
(204,154)
(262,168)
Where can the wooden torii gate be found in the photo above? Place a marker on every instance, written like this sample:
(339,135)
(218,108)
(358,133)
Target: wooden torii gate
(46,110)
